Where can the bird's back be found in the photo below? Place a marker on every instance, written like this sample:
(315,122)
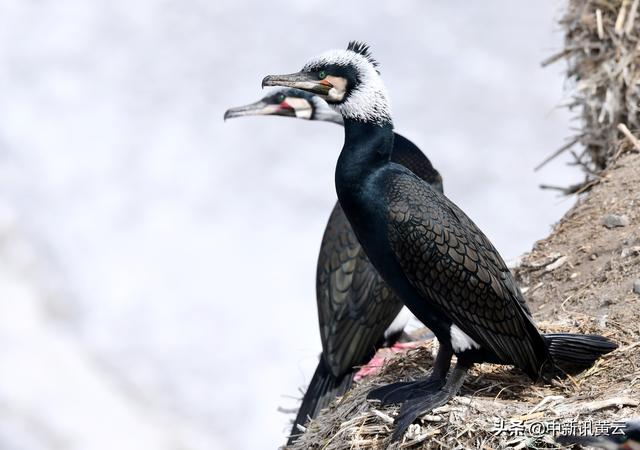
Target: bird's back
(453,265)
(407,154)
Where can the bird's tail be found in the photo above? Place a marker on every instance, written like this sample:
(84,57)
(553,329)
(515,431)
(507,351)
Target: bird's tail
(575,352)
(323,388)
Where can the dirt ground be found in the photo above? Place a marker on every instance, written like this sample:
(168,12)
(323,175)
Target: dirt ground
(597,265)
(579,279)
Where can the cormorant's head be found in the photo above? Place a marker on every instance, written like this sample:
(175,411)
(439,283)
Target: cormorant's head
(288,103)
(346,79)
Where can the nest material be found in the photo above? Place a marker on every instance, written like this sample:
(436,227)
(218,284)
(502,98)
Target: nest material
(495,398)
(579,280)
(602,49)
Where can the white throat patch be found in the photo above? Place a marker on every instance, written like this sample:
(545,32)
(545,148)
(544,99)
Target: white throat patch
(301,107)
(460,341)
(367,102)
(324,112)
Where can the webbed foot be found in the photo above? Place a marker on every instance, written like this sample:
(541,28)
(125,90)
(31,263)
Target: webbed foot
(419,403)
(400,392)
(416,407)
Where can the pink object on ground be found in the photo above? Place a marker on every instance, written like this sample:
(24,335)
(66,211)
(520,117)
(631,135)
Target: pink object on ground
(381,356)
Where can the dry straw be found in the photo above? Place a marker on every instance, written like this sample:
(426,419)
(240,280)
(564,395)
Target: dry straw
(494,398)
(602,49)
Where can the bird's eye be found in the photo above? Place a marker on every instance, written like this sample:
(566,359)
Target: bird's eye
(281,98)
(322,75)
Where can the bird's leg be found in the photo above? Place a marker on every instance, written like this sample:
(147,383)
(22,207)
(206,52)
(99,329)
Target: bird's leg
(400,392)
(420,404)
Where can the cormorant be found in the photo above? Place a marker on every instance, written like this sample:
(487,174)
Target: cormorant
(356,308)
(433,256)
(289,102)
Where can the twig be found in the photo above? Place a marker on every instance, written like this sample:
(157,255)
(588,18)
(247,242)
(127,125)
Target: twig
(573,380)
(431,418)
(634,140)
(558,152)
(632,16)
(608,403)
(385,418)
(523,444)
(587,408)
(628,347)
(622,15)
(556,265)
(599,23)
(550,398)
(573,189)
(419,438)
(553,58)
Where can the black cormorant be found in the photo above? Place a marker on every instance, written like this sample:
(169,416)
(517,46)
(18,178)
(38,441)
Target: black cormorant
(355,306)
(433,256)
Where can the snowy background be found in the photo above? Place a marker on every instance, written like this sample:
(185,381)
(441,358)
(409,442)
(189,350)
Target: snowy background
(156,264)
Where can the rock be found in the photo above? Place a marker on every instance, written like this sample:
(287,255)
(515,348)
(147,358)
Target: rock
(633,251)
(636,286)
(544,261)
(614,220)
(556,265)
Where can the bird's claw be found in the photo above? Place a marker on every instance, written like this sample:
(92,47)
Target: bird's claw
(401,392)
(416,407)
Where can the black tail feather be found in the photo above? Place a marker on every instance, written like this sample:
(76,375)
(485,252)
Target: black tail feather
(323,388)
(576,352)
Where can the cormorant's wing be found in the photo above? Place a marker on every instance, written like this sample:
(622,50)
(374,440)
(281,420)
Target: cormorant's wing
(449,260)
(355,306)
(407,154)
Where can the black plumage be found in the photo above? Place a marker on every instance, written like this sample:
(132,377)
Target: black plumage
(447,259)
(363,49)
(433,256)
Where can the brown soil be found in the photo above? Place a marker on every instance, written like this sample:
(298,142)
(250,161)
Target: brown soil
(579,279)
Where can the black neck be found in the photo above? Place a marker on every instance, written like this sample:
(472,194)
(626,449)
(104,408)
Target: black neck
(367,146)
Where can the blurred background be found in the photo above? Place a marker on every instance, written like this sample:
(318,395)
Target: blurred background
(156,264)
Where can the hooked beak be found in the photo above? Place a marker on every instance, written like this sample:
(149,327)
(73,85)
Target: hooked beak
(259,108)
(305,81)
